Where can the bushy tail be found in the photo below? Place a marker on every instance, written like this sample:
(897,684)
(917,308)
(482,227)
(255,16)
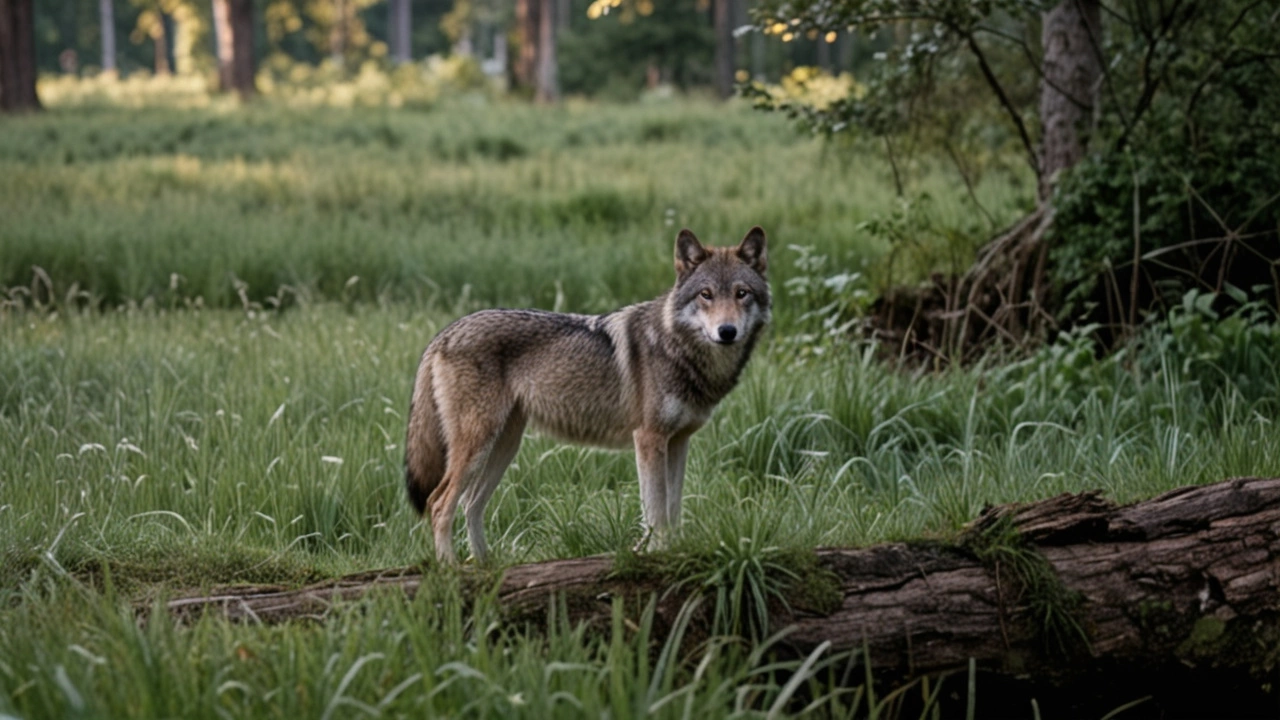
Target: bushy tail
(425,449)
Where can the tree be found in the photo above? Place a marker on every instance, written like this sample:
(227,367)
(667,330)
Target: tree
(400,30)
(17,56)
(536,65)
(722,11)
(546,83)
(233,25)
(107,25)
(152,24)
(628,46)
(1124,84)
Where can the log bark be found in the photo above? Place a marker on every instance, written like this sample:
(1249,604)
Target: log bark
(1189,578)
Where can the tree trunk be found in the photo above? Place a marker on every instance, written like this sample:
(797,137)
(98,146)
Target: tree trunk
(564,15)
(107,23)
(160,43)
(224,43)
(233,28)
(1190,578)
(823,54)
(1072,72)
(548,85)
(400,23)
(1004,297)
(722,11)
(338,34)
(525,68)
(17,56)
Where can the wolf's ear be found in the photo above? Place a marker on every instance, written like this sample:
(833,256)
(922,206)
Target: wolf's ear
(689,253)
(752,250)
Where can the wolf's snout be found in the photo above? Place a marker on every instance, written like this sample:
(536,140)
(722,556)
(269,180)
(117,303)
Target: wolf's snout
(727,333)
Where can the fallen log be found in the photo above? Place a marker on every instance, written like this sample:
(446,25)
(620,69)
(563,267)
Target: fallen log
(1189,578)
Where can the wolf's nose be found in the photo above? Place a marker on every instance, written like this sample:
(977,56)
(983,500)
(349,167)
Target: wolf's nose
(727,333)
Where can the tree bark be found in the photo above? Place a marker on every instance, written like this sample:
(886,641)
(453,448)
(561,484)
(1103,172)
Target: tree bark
(525,66)
(548,85)
(1190,578)
(233,25)
(17,57)
(1072,72)
(1005,296)
(722,11)
(160,43)
(339,34)
(401,30)
(107,23)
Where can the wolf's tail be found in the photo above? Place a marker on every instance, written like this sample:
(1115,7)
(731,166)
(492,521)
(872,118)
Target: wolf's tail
(425,448)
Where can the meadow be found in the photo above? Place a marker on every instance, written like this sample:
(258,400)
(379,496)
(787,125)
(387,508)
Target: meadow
(210,325)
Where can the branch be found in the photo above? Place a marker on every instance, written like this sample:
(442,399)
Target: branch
(990,77)
(1034,62)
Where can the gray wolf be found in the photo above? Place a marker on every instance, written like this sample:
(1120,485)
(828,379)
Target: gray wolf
(647,375)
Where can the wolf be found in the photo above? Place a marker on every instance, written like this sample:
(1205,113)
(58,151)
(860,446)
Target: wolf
(647,375)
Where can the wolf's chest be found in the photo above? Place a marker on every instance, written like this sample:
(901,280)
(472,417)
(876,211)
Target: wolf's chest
(677,414)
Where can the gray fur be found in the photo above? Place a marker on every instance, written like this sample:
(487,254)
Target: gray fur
(646,375)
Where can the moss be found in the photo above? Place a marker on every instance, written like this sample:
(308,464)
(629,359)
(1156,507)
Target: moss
(1205,633)
(1030,583)
(749,585)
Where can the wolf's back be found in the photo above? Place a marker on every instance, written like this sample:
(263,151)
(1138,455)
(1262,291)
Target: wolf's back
(425,450)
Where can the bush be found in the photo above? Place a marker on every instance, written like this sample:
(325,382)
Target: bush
(1202,166)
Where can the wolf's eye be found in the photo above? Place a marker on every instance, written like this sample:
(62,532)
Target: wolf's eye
(743,293)
(705,294)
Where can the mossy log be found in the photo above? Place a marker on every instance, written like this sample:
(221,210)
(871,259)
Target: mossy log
(1189,578)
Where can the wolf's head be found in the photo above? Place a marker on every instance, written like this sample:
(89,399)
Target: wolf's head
(721,293)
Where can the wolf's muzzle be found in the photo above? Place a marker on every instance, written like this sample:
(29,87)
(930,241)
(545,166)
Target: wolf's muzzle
(727,333)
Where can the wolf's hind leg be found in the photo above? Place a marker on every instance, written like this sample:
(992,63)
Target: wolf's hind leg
(471,439)
(478,494)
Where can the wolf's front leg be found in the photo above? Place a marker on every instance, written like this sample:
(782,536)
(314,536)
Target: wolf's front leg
(677,454)
(651,465)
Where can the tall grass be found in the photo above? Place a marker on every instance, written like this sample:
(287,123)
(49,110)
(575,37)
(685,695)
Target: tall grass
(275,440)
(209,332)
(576,206)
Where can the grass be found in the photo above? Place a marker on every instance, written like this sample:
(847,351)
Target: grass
(206,380)
(140,435)
(574,207)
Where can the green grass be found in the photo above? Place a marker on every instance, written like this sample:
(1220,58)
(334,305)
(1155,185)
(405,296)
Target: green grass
(244,422)
(510,205)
